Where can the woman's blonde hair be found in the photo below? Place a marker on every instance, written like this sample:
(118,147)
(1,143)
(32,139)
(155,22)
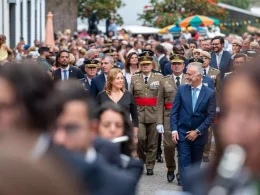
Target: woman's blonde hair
(111,77)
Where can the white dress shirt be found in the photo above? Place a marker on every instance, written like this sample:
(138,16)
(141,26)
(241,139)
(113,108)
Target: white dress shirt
(147,76)
(62,73)
(174,78)
(207,70)
(219,57)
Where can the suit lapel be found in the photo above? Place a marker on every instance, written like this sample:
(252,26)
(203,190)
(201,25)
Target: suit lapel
(200,98)
(58,74)
(188,92)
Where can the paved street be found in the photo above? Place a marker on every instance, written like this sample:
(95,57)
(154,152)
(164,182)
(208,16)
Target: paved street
(158,182)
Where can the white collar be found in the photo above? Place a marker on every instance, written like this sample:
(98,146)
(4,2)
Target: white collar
(91,155)
(174,77)
(147,76)
(207,70)
(89,80)
(161,56)
(41,146)
(220,53)
(68,67)
(199,87)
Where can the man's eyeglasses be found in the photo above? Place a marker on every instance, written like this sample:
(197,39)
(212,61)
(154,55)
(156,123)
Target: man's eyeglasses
(216,44)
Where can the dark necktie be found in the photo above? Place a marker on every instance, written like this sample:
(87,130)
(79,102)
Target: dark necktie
(145,80)
(178,81)
(205,73)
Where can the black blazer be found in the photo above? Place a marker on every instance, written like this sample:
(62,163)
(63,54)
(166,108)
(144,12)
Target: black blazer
(162,63)
(74,72)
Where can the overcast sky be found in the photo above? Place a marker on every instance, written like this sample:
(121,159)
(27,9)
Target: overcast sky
(131,9)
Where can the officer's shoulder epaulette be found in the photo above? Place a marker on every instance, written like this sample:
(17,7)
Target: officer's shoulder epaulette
(228,73)
(156,72)
(137,73)
(215,69)
(167,76)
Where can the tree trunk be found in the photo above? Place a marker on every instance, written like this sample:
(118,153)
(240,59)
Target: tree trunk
(65,14)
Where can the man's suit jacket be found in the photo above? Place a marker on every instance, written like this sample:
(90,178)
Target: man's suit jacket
(209,82)
(225,63)
(162,63)
(183,118)
(98,84)
(74,72)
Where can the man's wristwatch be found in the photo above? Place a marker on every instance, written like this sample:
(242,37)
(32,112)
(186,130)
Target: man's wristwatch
(198,132)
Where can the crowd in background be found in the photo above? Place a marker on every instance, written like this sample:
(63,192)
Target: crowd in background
(92,103)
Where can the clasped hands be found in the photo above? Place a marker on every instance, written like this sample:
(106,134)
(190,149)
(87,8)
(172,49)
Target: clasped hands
(191,136)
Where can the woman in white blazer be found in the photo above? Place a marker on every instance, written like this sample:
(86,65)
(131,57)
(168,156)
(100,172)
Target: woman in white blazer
(131,67)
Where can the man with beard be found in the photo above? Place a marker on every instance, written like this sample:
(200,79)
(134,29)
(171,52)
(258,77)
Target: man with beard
(66,72)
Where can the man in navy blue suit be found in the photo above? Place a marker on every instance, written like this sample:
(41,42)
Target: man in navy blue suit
(220,59)
(160,54)
(98,82)
(66,71)
(192,113)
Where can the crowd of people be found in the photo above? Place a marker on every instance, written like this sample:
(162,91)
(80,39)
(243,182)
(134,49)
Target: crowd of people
(103,106)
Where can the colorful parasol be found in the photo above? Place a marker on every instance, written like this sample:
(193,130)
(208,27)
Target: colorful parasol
(163,30)
(198,20)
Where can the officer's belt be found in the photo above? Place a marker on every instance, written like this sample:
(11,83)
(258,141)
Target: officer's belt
(168,106)
(146,101)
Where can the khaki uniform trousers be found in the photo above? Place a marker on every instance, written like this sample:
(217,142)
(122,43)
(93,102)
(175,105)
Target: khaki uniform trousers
(169,150)
(147,143)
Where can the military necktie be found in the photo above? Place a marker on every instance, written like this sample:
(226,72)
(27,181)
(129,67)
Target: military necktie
(205,73)
(178,81)
(145,80)
(65,76)
(194,98)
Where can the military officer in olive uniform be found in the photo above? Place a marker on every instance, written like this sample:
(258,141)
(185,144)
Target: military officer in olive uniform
(167,91)
(215,75)
(144,86)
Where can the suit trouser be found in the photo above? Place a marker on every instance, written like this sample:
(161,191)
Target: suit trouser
(208,145)
(147,143)
(189,154)
(169,150)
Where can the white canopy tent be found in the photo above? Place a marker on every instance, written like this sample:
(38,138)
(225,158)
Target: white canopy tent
(134,29)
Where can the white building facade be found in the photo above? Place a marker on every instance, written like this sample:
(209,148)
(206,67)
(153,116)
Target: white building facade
(22,19)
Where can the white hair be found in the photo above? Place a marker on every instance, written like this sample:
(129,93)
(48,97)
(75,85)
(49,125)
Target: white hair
(198,67)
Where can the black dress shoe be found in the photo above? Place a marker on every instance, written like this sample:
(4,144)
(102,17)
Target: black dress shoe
(149,172)
(170,176)
(159,159)
(205,159)
(178,179)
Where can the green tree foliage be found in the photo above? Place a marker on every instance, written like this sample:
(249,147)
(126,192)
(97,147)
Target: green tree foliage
(167,12)
(244,4)
(104,8)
